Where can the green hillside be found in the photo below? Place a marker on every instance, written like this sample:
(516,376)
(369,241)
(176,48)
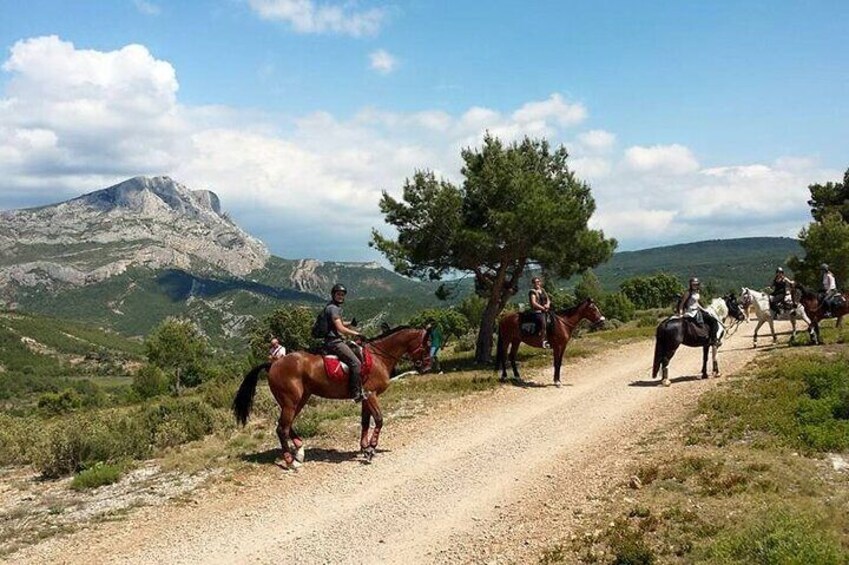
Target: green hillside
(727,263)
(42,354)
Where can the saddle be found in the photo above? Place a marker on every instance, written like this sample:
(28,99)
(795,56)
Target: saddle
(529,322)
(338,371)
(695,329)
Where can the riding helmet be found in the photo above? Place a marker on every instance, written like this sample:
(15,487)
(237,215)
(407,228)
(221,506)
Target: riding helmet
(338,288)
(779,270)
(824,267)
(694,280)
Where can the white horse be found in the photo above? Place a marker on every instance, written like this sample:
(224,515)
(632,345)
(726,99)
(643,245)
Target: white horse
(760,301)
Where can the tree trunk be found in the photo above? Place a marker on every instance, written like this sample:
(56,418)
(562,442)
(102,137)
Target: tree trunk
(483,347)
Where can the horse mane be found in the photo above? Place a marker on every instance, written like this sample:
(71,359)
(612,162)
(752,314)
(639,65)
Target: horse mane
(806,292)
(572,309)
(390,332)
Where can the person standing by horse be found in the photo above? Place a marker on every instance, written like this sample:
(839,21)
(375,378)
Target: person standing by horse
(829,289)
(780,296)
(436,340)
(541,305)
(276,351)
(689,307)
(335,344)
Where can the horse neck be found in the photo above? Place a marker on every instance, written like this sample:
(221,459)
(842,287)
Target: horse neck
(392,347)
(572,318)
(718,306)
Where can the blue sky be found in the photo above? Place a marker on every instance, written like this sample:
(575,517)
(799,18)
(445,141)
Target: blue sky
(690,120)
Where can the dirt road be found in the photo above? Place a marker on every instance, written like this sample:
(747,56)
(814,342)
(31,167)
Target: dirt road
(493,478)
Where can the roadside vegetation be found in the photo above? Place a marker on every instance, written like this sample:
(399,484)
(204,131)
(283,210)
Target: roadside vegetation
(752,477)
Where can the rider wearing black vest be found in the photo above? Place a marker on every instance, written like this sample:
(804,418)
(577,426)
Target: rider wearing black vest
(335,344)
(781,286)
(541,305)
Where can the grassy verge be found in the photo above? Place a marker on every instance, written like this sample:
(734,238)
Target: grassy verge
(745,482)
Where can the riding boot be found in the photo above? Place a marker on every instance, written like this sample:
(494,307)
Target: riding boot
(355,385)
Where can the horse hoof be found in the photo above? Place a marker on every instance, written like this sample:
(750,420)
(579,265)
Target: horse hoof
(665,382)
(295,465)
(558,384)
(704,376)
(368,454)
(299,454)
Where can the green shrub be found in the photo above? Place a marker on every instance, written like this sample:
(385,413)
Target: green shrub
(18,437)
(779,537)
(175,421)
(150,381)
(617,306)
(53,403)
(98,475)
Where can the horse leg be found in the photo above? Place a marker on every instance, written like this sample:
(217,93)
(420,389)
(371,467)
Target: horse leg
(772,329)
(374,408)
(793,328)
(715,363)
(514,349)
(284,427)
(558,362)
(757,327)
(704,361)
(365,424)
(297,441)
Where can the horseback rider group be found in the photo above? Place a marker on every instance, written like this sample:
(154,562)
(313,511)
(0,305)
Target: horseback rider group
(689,307)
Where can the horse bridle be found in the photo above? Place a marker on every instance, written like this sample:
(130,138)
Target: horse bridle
(412,353)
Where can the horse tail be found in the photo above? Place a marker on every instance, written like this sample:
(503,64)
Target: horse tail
(244,401)
(658,350)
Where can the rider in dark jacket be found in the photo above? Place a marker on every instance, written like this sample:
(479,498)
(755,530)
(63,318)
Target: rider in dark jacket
(781,286)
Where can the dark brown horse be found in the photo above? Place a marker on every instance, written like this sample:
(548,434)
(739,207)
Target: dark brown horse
(560,333)
(813,308)
(293,379)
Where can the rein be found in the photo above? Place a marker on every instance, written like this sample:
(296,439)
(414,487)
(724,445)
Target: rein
(394,358)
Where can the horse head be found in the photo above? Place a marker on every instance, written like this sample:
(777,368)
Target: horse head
(593,314)
(734,307)
(418,350)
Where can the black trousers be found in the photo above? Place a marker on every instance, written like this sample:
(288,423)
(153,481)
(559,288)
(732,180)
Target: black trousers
(340,349)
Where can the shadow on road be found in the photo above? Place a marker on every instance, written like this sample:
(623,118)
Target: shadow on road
(673,380)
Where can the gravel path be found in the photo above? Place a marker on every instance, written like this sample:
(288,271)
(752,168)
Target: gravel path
(491,478)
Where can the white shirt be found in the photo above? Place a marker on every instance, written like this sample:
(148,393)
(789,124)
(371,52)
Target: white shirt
(691,306)
(828,282)
(277,352)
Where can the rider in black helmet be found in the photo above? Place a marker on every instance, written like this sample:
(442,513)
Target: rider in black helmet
(335,344)
(781,286)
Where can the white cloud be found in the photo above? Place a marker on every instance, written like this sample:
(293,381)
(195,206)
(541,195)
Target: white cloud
(555,108)
(382,62)
(305,16)
(147,8)
(75,120)
(597,140)
(672,159)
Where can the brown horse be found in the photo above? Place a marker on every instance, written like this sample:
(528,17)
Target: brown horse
(813,308)
(560,333)
(293,379)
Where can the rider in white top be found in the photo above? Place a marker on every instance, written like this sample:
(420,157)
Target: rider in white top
(276,351)
(829,289)
(689,306)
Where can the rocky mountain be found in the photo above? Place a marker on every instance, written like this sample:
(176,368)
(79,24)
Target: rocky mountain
(127,256)
(142,222)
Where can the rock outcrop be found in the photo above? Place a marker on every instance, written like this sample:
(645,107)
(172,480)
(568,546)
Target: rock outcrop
(151,222)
